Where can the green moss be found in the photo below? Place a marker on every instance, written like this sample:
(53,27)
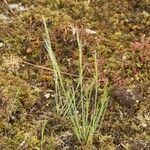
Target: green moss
(118,24)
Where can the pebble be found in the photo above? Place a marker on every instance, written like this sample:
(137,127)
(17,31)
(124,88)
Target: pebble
(1,45)
(18,7)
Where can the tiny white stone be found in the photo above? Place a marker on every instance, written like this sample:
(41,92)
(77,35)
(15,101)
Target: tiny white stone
(4,17)
(144,125)
(1,44)
(129,90)
(18,7)
(47,95)
(124,57)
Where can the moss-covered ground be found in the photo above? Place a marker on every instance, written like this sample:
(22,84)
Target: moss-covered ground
(119,30)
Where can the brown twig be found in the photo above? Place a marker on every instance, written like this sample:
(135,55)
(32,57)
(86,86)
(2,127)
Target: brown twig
(49,69)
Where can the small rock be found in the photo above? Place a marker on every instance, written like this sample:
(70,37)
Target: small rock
(124,57)
(1,45)
(127,97)
(18,7)
(47,95)
(144,125)
(4,17)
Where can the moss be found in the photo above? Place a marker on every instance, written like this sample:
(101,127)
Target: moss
(118,26)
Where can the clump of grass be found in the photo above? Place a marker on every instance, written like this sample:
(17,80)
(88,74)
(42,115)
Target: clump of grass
(82,103)
(61,88)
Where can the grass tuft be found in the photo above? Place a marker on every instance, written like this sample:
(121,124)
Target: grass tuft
(82,104)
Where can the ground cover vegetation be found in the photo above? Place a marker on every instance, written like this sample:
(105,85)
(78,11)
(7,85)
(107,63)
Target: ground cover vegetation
(75,74)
